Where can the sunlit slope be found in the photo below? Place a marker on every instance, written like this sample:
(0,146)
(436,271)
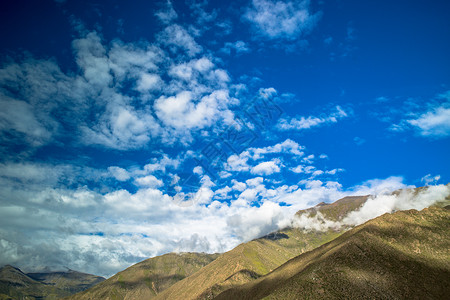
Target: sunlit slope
(251,260)
(337,210)
(405,255)
(148,278)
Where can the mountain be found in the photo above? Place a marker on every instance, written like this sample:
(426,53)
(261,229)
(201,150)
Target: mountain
(404,255)
(337,210)
(183,276)
(14,284)
(146,279)
(256,258)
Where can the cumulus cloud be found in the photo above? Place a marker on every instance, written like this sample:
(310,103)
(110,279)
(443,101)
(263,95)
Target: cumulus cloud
(183,111)
(281,19)
(247,160)
(303,123)
(178,40)
(119,173)
(266,167)
(238,162)
(287,147)
(149,181)
(256,221)
(98,103)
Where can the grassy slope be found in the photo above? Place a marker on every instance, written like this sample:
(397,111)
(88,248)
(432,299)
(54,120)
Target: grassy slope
(147,278)
(404,255)
(337,210)
(18,285)
(256,258)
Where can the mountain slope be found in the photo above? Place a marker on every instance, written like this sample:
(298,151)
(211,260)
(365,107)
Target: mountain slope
(70,282)
(337,210)
(256,258)
(404,255)
(146,279)
(14,284)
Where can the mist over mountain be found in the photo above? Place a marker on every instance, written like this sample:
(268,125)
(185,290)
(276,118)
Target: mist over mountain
(316,234)
(403,255)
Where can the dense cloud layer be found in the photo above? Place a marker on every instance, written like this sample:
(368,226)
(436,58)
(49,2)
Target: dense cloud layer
(375,206)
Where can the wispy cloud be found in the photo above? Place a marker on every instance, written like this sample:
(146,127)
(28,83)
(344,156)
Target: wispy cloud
(239,47)
(167,14)
(301,123)
(433,123)
(281,19)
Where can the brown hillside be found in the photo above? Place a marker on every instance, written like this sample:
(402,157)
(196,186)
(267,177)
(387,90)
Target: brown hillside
(146,279)
(14,284)
(404,255)
(256,258)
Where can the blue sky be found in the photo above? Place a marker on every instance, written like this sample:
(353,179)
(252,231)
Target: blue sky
(129,130)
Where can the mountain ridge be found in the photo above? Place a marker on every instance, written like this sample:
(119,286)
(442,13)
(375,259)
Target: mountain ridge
(146,279)
(364,261)
(15,284)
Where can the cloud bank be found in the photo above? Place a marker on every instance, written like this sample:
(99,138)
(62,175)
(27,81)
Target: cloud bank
(376,206)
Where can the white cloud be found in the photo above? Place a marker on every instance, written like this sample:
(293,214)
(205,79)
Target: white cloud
(406,199)
(183,111)
(93,105)
(149,181)
(267,167)
(148,82)
(238,163)
(20,116)
(381,186)
(178,40)
(430,119)
(429,180)
(311,121)
(238,186)
(286,147)
(375,206)
(91,57)
(281,19)
(238,46)
(256,221)
(201,16)
(252,182)
(434,123)
(167,14)
(119,173)
(105,233)
(308,159)
(298,169)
